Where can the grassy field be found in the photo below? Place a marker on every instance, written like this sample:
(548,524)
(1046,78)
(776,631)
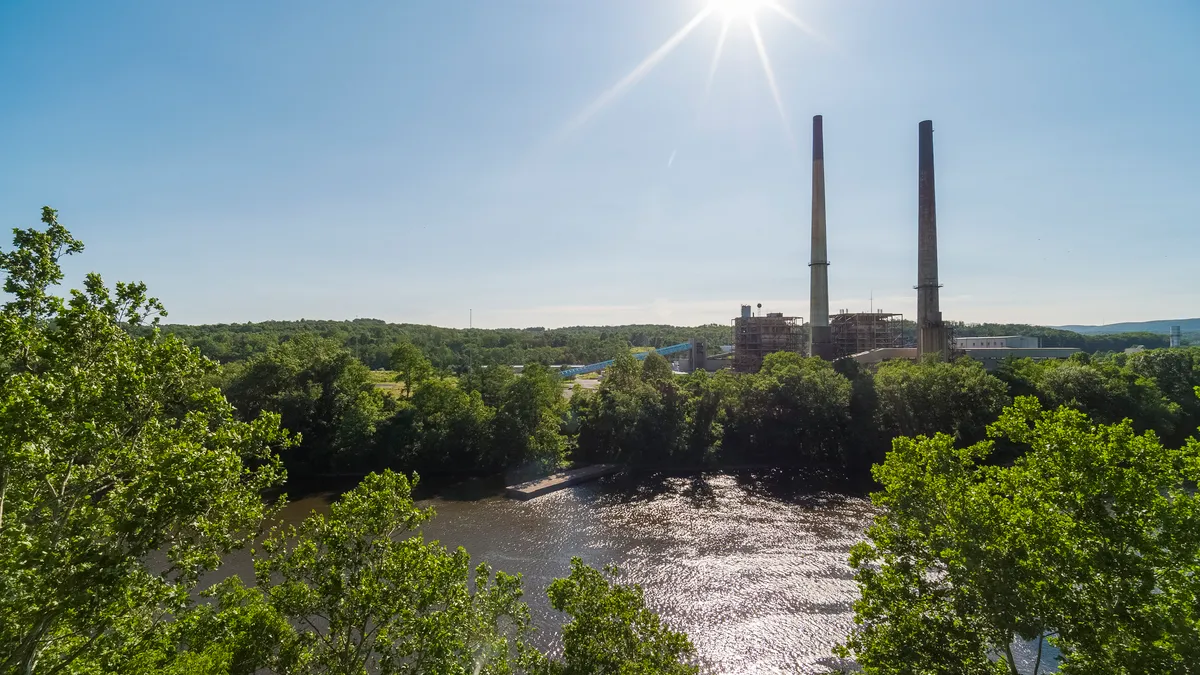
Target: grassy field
(386,380)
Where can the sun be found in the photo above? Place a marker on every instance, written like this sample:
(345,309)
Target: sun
(743,14)
(738,9)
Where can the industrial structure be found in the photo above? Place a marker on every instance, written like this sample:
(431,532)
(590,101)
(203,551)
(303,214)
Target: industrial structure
(1176,336)
(998,342)
(871,337)
(1008,347)
(858,332)
(756,336)
(819,334)
(931,332)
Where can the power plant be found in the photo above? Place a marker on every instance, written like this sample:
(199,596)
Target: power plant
(846,333)
(866,337)
(871,337)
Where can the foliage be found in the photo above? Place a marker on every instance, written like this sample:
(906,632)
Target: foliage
(123,473)
(1090,539)
(449,349)
(449,428)
(410,365)
(796,409)
(239,633)
(529,416)
(638,413)
(611,630)
(360,591)
(1152,388)
(958,398)
(370,596)
(321,392)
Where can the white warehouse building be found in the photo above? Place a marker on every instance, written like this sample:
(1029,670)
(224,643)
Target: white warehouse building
(998,342)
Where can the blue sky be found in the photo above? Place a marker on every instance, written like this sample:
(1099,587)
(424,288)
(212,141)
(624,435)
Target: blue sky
(413,160)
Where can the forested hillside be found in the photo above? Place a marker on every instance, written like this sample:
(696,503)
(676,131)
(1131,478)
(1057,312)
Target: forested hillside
(455,349)
(1057,337)
(1162,326)
(372,341)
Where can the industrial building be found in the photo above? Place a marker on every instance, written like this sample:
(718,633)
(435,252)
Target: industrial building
(1001,341)
(858,332)
(871,337)
(756,336)
(992,357)
(991,351)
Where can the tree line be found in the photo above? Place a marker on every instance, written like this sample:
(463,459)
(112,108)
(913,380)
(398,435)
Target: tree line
(451,349)
(795,412)
(456,349)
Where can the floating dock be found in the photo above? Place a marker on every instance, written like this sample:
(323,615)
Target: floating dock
(558,481)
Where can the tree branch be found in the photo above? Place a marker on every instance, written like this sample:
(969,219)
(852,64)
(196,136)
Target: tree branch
(1012,663)
(3,492)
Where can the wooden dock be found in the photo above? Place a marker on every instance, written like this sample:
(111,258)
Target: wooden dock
(558,481)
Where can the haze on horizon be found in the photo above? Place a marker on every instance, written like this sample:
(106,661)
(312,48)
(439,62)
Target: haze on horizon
(414,161)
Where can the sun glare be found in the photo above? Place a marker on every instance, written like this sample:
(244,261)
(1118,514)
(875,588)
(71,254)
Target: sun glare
(743,13)
(738,9)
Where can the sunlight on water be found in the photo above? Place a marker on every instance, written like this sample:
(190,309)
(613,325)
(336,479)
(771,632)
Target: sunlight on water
(753,568)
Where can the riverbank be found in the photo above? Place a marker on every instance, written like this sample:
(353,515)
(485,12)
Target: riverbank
(459,488)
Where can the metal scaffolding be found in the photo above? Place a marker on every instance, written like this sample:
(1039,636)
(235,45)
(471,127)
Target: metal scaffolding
(756,336)
(857,332)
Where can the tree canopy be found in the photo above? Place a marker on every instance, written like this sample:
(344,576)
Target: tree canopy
(1089,540)
(124,473)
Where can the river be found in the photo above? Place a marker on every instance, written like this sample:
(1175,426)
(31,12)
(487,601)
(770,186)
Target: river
(751,565)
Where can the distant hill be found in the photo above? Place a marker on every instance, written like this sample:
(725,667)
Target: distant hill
(1163,327)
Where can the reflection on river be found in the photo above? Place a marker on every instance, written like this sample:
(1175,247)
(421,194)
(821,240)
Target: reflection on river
(751,566)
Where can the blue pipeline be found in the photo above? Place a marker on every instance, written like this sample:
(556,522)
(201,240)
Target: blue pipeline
(591,368)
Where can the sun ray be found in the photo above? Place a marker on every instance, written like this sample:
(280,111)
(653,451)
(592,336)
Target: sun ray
(640,71)
(770,73)
(795,20)
(712,68)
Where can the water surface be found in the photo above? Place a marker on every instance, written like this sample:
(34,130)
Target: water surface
(751,565)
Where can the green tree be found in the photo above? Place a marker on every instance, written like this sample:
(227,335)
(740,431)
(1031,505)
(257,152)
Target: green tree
(491,382)
(239,633)
(624,373)
(526,426)
(611,630)
(656,368)
(124,474)
(713,398)
(931,397)
(321,392)
(449,429)
(1110,388)
(639,414)
(1091,539)
(410,365)
(794,409)
(370,595)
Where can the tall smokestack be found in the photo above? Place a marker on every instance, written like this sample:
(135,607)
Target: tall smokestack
(819,339)
(931,333)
